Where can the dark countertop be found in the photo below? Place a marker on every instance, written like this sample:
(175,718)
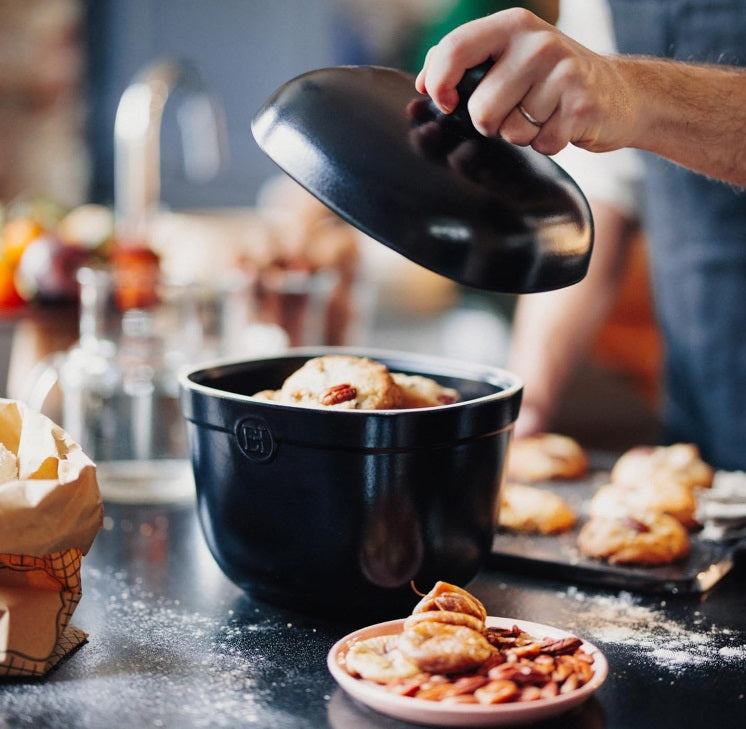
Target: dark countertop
(174,644)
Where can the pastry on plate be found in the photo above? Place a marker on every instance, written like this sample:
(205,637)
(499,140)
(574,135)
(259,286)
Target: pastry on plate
(646,497)
(533,510)
(680,462)
(546,457)
(650,539)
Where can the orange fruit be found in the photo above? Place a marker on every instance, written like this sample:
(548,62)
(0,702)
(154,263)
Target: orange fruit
(136,268)
(9,296)
(17,234)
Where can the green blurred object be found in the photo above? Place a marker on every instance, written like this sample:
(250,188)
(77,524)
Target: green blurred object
(460,12)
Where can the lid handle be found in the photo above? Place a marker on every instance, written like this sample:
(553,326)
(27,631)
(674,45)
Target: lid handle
(470,80)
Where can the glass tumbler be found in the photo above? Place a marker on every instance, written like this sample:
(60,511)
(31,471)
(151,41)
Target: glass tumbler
(115,391)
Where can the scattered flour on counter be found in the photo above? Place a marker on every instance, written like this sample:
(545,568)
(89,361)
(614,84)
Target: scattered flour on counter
(211,664)
(623,620)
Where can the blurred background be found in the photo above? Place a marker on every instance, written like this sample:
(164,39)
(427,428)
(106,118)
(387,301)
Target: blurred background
(125,143)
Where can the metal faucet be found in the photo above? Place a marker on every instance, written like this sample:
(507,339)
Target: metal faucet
(137,133)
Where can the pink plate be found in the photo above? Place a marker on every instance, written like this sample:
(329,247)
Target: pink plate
(436,713)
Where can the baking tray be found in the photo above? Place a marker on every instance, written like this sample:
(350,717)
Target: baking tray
(557,556)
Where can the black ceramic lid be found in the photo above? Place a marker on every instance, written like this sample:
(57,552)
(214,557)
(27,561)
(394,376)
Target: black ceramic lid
(478,210)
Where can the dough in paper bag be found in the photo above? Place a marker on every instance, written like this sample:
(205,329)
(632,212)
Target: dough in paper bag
(49,516)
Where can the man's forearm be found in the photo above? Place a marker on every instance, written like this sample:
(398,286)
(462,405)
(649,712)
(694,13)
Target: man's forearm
(692,114)
(553,331)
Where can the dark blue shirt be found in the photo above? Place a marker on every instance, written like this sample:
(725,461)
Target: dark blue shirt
(696,231)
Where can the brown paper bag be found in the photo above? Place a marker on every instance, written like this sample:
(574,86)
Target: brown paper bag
(49,517)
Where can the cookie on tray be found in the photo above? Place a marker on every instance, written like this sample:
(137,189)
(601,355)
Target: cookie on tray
(418,391)
(670,498)
(342,382)
(651,539)
(533,510)
(680,462)
(545,457)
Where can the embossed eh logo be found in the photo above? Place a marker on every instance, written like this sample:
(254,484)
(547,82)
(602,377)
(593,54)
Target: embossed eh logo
(255,440)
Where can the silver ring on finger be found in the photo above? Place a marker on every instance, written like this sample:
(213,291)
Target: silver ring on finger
(528,117)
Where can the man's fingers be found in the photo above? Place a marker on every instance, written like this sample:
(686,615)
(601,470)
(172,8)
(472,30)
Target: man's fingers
(463,48)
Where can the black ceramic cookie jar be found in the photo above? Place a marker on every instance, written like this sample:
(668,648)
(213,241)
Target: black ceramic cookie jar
(344,510)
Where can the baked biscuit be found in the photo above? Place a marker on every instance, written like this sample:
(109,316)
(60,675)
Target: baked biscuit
(343,382)
(670,498)
(545,457)
(679,462)
(533,510)
(422,392)
(646,539)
